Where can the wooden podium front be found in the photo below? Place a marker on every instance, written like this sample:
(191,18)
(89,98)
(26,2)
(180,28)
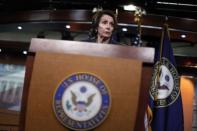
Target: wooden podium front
(120,67)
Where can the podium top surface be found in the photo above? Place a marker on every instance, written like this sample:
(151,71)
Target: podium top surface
(144,54)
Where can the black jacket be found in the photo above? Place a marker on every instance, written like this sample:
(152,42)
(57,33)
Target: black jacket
(112,41)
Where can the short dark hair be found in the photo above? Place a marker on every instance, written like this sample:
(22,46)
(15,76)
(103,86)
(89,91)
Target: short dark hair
(96,19)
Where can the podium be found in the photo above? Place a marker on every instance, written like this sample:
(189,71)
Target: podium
(126,72)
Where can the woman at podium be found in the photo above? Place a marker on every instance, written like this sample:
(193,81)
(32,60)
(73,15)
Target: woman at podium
(104,24)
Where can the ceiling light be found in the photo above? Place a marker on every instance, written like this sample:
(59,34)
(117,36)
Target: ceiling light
(183,36)
(19,27)
(176,4)
(130,7)
(67,26)
(24,52)
(97,9)
(188,76)
(0,50)
(124,29)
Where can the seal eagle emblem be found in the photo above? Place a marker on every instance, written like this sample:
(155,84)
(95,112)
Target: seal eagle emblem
(81,101)
(165,83)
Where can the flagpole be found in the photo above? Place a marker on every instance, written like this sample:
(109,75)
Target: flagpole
(165,26)
(138,18)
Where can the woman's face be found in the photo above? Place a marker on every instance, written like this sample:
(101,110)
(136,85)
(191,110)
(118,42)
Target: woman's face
(105,26)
